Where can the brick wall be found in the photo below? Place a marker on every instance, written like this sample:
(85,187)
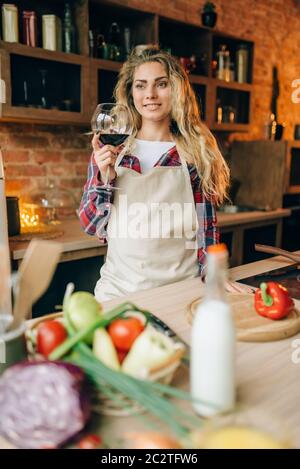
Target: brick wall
(34,152)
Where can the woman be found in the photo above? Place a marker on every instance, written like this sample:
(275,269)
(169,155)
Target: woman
(171,164)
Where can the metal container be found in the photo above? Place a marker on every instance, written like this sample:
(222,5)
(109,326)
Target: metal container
(242,63)
(10,29)
(29,28)
(52,37)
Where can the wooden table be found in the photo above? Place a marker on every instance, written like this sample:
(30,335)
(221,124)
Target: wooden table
(268,382)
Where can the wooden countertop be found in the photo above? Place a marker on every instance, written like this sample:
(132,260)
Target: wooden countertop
(75,240)
(267,379)
(232,219)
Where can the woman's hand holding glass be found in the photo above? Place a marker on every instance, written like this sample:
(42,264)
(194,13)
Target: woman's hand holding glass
(105,158)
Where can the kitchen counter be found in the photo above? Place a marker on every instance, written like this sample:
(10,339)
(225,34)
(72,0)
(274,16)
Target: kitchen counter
(77,244)
(232,219)
(267,379)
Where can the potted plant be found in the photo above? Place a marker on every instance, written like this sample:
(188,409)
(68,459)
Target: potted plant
(209,15)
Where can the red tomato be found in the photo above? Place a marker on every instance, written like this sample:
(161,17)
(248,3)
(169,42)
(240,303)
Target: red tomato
(90,442)
(124,331)
(49,335)
(121,355)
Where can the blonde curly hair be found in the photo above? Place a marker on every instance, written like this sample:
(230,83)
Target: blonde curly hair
(193,139)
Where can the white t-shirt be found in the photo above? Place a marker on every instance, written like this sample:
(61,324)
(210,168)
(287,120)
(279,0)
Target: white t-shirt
(149,152)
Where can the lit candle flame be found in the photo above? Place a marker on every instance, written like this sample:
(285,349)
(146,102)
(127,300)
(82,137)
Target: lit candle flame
(28,219)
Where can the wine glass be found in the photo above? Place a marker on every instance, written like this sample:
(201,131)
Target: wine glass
(114,124)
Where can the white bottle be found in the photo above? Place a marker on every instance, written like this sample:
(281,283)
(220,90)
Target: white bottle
(212,370)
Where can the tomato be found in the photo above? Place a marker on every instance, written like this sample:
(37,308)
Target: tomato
(49,335)
(121,355)
(90,442)
(124,331)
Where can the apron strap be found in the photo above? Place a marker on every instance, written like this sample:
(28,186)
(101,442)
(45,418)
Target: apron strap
(184,167)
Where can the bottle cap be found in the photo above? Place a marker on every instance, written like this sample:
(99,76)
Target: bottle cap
(217,248)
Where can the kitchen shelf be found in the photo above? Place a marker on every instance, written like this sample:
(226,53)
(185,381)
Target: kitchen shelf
(98,76)
(21,71)
(227,127)
(109,65)
(181,45)
(234,104)
(103,13)
(220,38)
(40,53)
(56,7)
(232,85)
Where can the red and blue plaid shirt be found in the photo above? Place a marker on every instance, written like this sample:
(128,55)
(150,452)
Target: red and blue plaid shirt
(94,199)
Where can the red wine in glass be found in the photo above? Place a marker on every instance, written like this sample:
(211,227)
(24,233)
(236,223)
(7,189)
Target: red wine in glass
(114,124)
(113,139)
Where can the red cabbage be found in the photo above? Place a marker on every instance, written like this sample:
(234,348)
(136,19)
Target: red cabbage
(42,404)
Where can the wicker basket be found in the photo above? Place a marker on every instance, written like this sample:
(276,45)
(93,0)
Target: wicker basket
(124,406)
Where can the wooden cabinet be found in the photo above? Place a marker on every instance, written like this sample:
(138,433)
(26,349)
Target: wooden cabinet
(84,81)
(292,177)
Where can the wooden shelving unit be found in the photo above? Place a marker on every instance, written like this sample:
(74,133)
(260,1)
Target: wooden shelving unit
(27,58)
(97,77)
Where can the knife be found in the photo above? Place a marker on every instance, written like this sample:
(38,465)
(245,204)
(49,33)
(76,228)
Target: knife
(161,326)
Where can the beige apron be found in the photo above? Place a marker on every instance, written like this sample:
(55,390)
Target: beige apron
(149,246)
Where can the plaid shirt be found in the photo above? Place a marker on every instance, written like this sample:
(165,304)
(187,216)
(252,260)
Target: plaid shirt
(92,210)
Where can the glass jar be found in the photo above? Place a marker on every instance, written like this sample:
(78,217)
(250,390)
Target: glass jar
(242,63)
(48,205)
(223,63)
(10,28)
(228,115)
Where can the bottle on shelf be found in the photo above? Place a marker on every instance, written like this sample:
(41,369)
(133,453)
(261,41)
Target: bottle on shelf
(271,126)
(10,28)
(102,51)
(69,31)
(219,112)
(212,367)
(223,63)
(44,100)
(127,41)
(92,47)
(115,43)
(242,63)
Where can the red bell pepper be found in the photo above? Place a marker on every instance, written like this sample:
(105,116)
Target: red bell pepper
(272,300)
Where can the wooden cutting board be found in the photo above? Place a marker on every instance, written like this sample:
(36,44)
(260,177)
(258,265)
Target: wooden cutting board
(251,327)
